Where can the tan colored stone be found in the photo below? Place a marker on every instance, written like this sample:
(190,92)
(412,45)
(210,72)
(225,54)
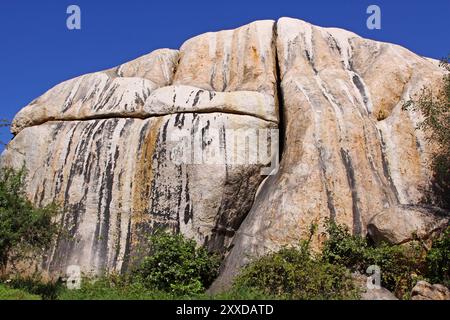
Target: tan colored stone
(425,291)
(117,179)
(158,66)
(339,161)
(401,224)
(232,60)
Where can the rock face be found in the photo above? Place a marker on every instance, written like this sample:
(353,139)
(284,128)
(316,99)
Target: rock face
(401,224)
(340,160)
(185,139)
(425,291)
(160,141)
(371,293)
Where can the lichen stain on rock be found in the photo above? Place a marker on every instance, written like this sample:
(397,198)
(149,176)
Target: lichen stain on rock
(143,176)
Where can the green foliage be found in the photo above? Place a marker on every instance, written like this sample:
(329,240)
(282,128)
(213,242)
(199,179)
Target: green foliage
(435,108)
(438,260)
(243,293)
(294,273)
(7,293)
(36,285)
(401,266)
(122,287)
(344,248)
(112,287)
(23,228)
(176,265)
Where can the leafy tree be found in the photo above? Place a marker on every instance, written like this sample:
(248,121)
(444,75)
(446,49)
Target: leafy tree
(176,265)
(24,229)
(435,108)
(438,260)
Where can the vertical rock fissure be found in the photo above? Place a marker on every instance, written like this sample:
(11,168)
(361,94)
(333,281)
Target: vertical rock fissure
(279,97)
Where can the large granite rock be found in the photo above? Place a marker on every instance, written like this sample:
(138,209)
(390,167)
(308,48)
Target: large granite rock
(116,147)
(148,145)
(340,160)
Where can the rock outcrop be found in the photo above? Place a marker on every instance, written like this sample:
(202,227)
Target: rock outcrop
(340,160)
(186,139)
(426,291)
(402,224)
(368,292)
(166,140)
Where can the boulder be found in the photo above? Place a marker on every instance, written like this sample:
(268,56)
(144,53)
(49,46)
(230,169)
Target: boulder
(371,293)
(426,291)
(404,223)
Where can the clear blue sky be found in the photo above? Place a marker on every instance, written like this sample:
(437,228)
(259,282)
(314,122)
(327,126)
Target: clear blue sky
(37,51)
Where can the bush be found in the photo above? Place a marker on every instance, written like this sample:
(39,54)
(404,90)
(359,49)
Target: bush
(438,260)
(123,287)
(112,287)
(7,293)
(401,267)
(24,229)
(175,265)
(36,285)
(293,273)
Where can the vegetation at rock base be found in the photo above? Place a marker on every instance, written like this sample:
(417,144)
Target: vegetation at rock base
(24,228)
(401,266)
(295,273)
(435,107)
(179,269)
(176,268)
(7,293)
(119,287)
(175,264)
(438,260)
(35,284)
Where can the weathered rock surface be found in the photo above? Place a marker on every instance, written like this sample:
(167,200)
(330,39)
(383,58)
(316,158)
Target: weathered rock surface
(118,179)
(119,92)
(129,149)
(378,294)
(398,225)
(371,292)
(340,159)
(107,145)
(233,60)
(425,291)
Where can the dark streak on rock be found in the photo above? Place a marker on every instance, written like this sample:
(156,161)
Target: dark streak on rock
(330,200)
(386,170)
(357,228)
(197,97)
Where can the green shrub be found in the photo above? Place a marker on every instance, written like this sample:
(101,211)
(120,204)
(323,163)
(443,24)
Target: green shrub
(294,273)
(344,248)
(438,260)
(36,285)
(176,265)
(24,229)
(113,287)
(7,293)
(123,287)
(400,266)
